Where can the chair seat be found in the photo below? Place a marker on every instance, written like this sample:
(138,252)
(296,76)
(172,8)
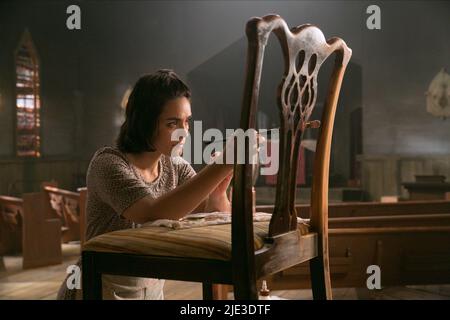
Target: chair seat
(209,242)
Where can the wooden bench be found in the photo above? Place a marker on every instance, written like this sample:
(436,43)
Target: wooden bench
(410,241)
(11,215)
(64,205)
(26,228)
(358,209)
(11,211)
(41,234)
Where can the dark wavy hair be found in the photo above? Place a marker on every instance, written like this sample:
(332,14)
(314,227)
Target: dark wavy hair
(145,104)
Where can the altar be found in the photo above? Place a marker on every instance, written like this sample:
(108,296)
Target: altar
(428,188)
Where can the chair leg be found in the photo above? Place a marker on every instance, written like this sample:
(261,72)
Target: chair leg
(220,291)
(320,278)
(91,278)
(207,291)
(244,291)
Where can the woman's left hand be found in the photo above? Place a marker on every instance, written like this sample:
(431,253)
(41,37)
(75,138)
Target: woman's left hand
(221,189)
(218,199)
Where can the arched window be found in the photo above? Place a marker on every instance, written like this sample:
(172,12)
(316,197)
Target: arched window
(28,99)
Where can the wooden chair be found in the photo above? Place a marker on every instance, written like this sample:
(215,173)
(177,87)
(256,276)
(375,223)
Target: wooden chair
(250,250)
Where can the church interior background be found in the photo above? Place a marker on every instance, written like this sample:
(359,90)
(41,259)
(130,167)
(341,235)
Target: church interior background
(63,90)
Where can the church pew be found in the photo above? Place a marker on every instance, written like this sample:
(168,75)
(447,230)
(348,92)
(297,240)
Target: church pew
(11,214)
(358,209)
(389,221)
(405,255)
(410,249)
(410,242)
(26,229)
(64,205)
(41,235)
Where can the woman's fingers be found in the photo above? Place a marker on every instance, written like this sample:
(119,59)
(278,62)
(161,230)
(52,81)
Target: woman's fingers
(214,157)
(255,140)
(229,177)
(260,141)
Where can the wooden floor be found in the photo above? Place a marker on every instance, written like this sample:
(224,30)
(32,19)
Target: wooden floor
(43,283)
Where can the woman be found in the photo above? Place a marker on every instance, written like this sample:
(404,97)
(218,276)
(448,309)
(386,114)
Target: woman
(138,181)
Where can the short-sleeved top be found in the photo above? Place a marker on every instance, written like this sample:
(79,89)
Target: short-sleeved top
(114,184)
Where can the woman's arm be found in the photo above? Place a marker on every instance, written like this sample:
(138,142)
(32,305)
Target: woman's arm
(219,203)
(201,207)
(183,199)
(212,204)
(217,199)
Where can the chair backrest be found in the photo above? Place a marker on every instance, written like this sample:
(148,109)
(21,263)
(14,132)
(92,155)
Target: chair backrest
(304,49)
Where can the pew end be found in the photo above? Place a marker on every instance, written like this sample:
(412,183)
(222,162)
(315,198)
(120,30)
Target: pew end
(65,206)
(41,235)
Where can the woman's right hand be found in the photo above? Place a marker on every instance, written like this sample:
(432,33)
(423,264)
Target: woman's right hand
(221,157)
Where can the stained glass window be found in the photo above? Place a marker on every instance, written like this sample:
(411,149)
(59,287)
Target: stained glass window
(28,101)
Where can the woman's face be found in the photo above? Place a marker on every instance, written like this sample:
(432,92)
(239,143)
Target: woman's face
(176,114)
